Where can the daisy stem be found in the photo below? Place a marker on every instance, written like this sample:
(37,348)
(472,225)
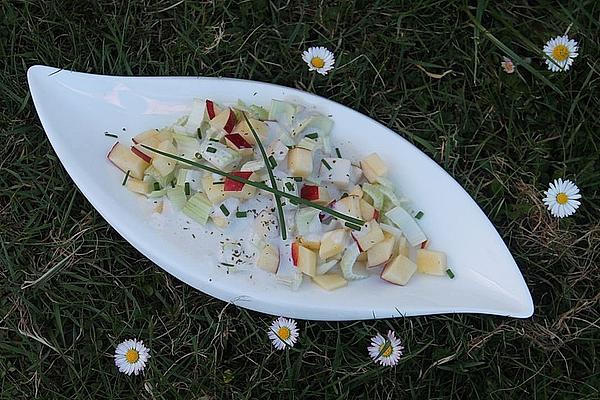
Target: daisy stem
(271,178)
(259,185)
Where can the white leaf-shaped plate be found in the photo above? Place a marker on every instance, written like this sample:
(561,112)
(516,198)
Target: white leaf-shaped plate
(76,109)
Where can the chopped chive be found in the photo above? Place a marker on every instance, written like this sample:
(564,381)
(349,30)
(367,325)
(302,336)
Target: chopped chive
(326,164)
(241,214)
(353,226)
(294,202)
(344,195)
(156,186)
(186,188)
(224,209)
(312,135)
(289,186)
(227,264)
(419,215)
(211,149)
(337,151)
(199,132)
(450,273)
(126,177)
(272,161)
(110,134)
(218,182)
(214,140)
(297,178)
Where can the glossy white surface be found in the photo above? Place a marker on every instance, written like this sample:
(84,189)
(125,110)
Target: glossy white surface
(76,109)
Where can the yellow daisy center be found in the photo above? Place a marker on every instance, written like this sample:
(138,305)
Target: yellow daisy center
(132,356)
(317,62)
(562,198)
(385,350)
(560,52)
(284,333)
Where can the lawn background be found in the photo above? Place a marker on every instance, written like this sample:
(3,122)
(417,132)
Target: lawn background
(503,137)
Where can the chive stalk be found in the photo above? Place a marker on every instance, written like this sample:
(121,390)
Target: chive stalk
(259,185)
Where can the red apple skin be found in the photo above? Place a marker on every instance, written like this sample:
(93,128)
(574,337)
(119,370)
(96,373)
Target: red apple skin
(309,192)
(210,109)
(110,152)
(234,186)
(141,154)
(327,218)
(376,215)
(231,121)
(356,241)
(295,252)
(424,244)
(238,141)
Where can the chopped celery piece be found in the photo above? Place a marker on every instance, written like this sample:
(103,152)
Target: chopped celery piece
(177,197)
(374,193)
(411,229)
(347,263)
(319,124)
(283,112)
(198,208)
(306,218)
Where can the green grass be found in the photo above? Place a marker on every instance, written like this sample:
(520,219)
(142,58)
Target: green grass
(503,137)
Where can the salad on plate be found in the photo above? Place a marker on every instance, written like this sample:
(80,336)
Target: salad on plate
(311,213)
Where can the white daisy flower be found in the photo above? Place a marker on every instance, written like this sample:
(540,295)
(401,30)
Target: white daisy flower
(319,59)
(562,51)
(507,65)
(561,198)
(283,332)
(131,356)
(386,350)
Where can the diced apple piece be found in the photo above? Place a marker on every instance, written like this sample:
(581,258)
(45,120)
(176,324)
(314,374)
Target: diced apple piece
(138,186)
(307,261)
(368,236)
(375,164)
(224,120)
(315,193)
(431,262)
(399,270)
(349,205)
(403,246)
(300,162)
(214,192)
(262,130)
(211,109)
(143,153)
(269,258)
(147,137)
(237,189)
(381,252)
(330,281)
(356,191)
(163,164)
(124,159)
(332,243)
(295,251)
(336,171)
(367,211)
(362,257)
(237,142)
(231,185)
(310,243)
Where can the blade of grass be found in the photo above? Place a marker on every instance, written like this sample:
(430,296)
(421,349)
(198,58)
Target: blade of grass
(513,55)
